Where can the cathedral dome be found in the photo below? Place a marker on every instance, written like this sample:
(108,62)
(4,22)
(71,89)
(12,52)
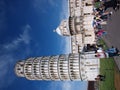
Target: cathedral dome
(58,31)
(63,29)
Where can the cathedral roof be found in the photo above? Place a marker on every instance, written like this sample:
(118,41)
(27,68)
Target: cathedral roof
(58,31)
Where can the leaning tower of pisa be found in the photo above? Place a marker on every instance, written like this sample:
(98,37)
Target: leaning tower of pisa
(82,67)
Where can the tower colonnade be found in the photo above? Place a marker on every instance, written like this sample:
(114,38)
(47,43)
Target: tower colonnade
(60,67)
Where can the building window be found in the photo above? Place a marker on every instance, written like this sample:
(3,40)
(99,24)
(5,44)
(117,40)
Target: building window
(92,68)
(88,35)
(88,4)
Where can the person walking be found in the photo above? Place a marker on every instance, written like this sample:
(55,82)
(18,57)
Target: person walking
(111,4)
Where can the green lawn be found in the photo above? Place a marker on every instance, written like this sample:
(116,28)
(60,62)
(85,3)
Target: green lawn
(101,41)
(107,69)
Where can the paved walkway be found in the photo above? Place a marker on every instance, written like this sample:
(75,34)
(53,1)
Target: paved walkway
(113,32)
(117,61)
(117,79)
(113,39)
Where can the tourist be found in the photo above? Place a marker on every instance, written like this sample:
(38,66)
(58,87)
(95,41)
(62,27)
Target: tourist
(112,3)
(101,33)
(100,78)
(99,10)
(113,52)
(97,23)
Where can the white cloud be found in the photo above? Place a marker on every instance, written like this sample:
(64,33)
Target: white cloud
(7,57)
(40,5)
(25,36)
(64,12)
(22,38)
(66,45)
(5,76)
(53,3)
(68,85)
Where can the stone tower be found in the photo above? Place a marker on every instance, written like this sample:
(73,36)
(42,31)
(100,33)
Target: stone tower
(82,67)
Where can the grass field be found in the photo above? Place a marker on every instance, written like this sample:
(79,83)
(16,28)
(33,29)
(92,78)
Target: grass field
(101,41)
(107,69)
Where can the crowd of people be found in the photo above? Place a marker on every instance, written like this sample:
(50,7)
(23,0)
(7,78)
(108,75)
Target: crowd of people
(101,14)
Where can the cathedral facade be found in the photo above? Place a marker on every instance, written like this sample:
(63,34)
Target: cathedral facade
(78,26)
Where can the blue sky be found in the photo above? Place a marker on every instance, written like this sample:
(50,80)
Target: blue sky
(26,30)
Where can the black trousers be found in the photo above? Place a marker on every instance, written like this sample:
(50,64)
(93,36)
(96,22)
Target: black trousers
(110,4)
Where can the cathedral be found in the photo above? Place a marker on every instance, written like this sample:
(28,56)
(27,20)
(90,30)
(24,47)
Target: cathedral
(79,65)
